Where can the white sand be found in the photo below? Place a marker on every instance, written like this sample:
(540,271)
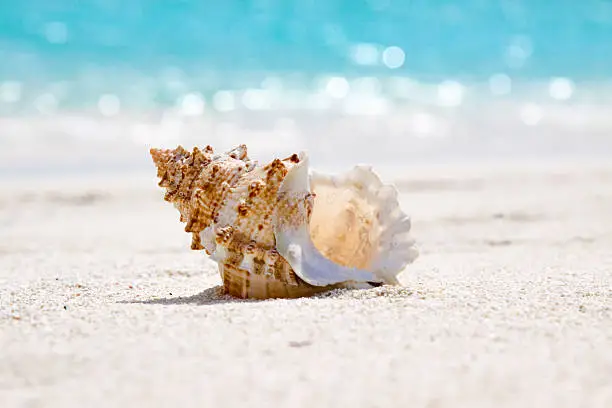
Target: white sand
(102,304)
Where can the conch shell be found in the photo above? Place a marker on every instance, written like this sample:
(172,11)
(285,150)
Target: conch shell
(279,231)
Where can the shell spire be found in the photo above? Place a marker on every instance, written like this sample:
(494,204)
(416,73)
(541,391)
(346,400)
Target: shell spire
(276,230)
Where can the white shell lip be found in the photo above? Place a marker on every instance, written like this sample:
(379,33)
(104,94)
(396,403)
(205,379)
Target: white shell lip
(395,250)
(311,266)
(296,246)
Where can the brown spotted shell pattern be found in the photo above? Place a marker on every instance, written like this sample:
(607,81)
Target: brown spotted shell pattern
(280,231)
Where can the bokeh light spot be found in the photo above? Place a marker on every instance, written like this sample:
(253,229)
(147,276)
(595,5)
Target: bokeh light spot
(561,88)
(192,104)
(46,103)
(500,84)
(403,87)
(367,85)
(272,83)
(518,51)
(379,5)
(56,32)
(10,91)
(531,114)
(423,124)
(393,57)
(364,54)
(450,93)
(337,87)
(224,101)
(109,105)
(334,36)
(255,99)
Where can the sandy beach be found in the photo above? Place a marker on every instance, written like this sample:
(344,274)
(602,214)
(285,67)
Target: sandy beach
(103,304)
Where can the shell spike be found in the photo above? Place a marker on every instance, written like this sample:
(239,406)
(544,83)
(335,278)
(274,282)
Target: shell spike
(160,156)
(297,179)
(239,152)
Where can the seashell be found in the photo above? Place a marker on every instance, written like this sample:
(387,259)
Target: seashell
(282,231)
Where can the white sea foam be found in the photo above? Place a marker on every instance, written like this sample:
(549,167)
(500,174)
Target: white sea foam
(362,120)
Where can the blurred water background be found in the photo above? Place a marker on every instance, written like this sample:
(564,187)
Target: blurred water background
(90,84)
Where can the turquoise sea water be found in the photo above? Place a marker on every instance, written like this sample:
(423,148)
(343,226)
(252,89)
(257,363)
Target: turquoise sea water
(442,39)
(451,77)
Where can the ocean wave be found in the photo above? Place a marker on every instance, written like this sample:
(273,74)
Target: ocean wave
(397,134)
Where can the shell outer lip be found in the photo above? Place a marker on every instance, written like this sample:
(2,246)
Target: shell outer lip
(294,243)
